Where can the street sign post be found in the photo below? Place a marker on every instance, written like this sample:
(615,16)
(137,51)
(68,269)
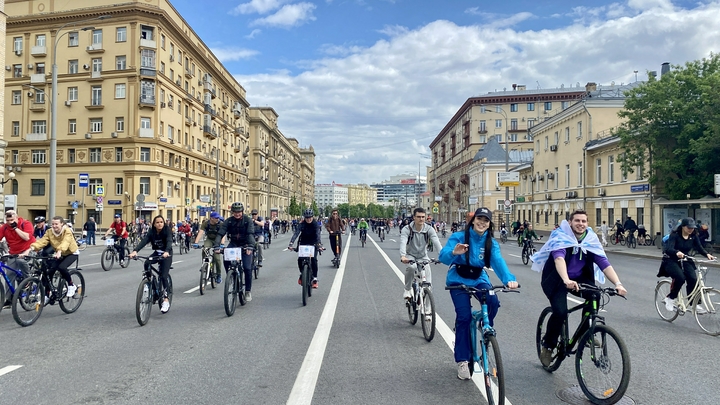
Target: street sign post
(84,179)
(509,179)
(100,190)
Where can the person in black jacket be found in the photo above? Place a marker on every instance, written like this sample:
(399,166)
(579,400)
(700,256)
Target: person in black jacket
(309,233)
(160,238)
(239,231)
(681,241)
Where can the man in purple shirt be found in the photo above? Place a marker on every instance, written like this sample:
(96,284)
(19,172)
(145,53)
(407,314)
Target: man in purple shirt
(563,271)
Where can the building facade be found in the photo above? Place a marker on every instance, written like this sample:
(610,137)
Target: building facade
(402,188)
(3,144)
(144,109)
(361,194)
(330,195)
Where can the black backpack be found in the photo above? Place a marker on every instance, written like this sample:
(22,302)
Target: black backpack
(412,233)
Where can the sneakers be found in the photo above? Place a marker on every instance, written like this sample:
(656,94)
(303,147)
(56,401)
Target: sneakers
(260,264)
(122,263)
(545,356)
(463,371)
(669,304)
(71,291)
(700,310)
(165,307)
(47,300)
(300,280)
(218,279)
(408,295)
(315,283)
(248,296)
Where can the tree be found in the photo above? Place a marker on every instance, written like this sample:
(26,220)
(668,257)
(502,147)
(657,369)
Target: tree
(389,212)
(315,208)
(343,210)
(674,125)
(294,208)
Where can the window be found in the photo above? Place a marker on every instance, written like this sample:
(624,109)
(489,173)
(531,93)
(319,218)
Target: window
(145,155)
(96,98)
(120,62)
(567,176)
(16,97)
(579,129)
(118,154)
(71,186)
(162,41)
(548,105)
(121,34)
(72,66)
(498,109)
(531,106)
(17,44)
(146,32)
(564,104)
(38,187)
(498,137)
(96,125)
(145,122)
(483,109)
(119,124)
(38,157)
(513,138)
(73,39)
(17,70)
(71,155)
(580,174)
(557,138)
(40,40)
(483,127)
(530,123)
(145,185)
(537,145)
(169,188)
(557,181)
(16,128)
(611,167)
(95,156)
(72,94)
(92,185)
(97,39)
(147,58)
(547,142)
(514,124)
(162,67)
(119,189)
(40,68)
(97,65)
(498,123)
(513,107)
(38,127)
(170,132)
(15,156)
(120,90)
(170,101)
(72,126)
(567,134)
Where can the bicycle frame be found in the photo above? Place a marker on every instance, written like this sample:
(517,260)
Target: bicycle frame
(592,315)
(686,302)
(480,321)
(19,277)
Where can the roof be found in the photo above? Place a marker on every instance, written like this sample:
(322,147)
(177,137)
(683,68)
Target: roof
(493,152)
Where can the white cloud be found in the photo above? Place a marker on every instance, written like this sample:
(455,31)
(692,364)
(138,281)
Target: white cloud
(230,53)
(252,34)
(290,15)
(257,6)
(369,111)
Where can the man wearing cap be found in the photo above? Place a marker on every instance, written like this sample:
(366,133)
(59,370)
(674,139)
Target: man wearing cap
(40,227)
(259,230)
(19,236)
(211,229)
(120,228)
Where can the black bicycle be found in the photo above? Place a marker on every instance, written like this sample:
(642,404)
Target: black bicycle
(235,280)
(363,237)
(306,253)
(602,361)
(150,290)
(111,254)
(528,250)
(422,301)
(630,240)
(45,287)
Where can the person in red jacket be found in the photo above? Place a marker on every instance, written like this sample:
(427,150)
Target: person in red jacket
(186,229)
(120,228)
(18,233)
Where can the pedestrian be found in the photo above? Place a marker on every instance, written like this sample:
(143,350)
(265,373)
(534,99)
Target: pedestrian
(90,227)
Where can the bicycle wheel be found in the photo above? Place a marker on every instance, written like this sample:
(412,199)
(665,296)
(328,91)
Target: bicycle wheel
(143,302)
(710,321)
(82,244)
(203,277)
(71,304)
(126,262)
(613,240)
(622,240)
(413,310)
(256,268)
(107,259)
(603,371)
(231,293)
(540,336)
(304,283)
(211,274)
(28,302)
(662,289)
(525,256)
(494,375)
(362,241)
(2,296)
(169,289)
(428,314)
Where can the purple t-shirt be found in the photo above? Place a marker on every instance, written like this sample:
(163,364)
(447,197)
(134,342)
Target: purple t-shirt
(577,261)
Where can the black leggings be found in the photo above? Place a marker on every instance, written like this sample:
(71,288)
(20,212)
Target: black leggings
(61,265)
(681,274)
(164,267)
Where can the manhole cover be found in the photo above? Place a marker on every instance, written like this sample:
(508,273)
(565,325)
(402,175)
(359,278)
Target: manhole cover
(574,395)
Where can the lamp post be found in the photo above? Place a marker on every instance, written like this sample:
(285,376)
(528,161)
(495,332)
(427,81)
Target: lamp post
(53,112)
(502,112)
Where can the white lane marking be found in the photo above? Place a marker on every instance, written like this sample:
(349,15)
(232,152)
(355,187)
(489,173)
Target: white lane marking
(447,334)
(515,256)
(304,387)
(192,290)
(8,369)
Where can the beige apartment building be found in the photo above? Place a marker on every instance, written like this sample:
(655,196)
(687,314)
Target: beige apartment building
(361,194)
(144,109)
(505,115)
(3,144)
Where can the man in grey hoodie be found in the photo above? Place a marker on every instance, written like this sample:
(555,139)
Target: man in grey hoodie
(413,246)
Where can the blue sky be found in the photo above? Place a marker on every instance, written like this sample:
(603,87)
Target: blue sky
(370,83)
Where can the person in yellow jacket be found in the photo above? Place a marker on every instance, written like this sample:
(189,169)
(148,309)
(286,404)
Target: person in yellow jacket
(60,242)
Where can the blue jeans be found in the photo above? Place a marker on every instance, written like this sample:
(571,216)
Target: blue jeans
(463,318)
(247,268)
(90,238)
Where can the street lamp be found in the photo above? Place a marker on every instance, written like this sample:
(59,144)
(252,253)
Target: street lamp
(499,110)
(11,176)
(53,112)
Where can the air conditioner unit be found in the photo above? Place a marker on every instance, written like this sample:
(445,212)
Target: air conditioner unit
(177,186)
(550,176)
(114,134)
(88,136)
(89,48)
(548,196)
(204,172)
(178,82)
(7,67)
(68,103)
(18,52)
(571,194)
(532,178)
(553,148)
(162,104)
(601,192)
(86,67)
(172,141)
(172,58)
(18,169)
(541,177)
(194,123)
(30,66)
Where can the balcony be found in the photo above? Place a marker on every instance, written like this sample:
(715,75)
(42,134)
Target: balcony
(240,131)
(207,87)
(39,107)
(188,73)
(95,104)
(147,101)
(188,97)
(446,197)
(465,179)
(148,71)
(146,133)
(457,196)
(38,78)
(188,121)
(38,51)
(95,76)
(36,137)
(148,43)
(451,183)
(209,132)
(95,48)
(441,186)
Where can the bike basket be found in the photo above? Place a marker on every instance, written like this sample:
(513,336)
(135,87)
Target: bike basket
(109,242)
(306,251)
(233,254)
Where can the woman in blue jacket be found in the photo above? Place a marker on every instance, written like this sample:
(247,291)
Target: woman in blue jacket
(467,252)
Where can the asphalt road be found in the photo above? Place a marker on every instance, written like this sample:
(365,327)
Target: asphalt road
(352,343)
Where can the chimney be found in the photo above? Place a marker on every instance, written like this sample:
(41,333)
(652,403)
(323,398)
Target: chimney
(591,86)
(665,69)
(514,86)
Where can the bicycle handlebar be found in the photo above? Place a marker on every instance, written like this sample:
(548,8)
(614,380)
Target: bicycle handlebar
(424,262)
(473,290)
(612,291)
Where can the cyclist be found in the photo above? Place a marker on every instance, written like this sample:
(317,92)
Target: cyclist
(630,226)
(59,242)
(266,230)
(120,228)
(334,226)
(618,230)
(186,229)
(160,238)
(259,234)
(528,235)
(40,227)
(18,234)
(195,227)
(239,231)
(467,252)
(413,246)
(381,226)
(210,228)
(309,233)
(681,241)
(362,227)
(353,226)
(570,257)
(503,229)
(642,233)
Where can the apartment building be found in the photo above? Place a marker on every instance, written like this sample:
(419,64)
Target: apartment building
(3,144)
(361,194)
(144,109)
(504,115)
(330,195)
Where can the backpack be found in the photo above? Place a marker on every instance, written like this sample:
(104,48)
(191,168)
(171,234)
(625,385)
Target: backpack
(664,242)
(412,233)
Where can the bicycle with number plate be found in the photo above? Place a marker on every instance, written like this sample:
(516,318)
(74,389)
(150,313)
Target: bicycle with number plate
(235,279)
(150,290)
(111,254)
(422,301)
(306,253)
(484,346)
(602,361)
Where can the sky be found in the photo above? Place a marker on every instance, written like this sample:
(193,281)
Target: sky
(370,83)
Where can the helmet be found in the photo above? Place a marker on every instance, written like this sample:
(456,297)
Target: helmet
(237,207)
(254,212)
(39,219)
(308,213)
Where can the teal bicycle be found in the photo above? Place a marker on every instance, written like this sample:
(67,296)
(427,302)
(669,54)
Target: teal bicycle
(484,346)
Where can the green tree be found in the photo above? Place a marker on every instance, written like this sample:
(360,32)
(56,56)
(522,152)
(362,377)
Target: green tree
(674,125)
(294,208)
(389,212)
(315,208)
(343,210)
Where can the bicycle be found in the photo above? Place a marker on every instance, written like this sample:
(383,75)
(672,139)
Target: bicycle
(306,253)
(709,297)
(183,242)
(630,240)
(235,280)
(32,294)
(81,242)
(381,233)
(112,254)
(422,300)
(4,269)
(207,269)
(150,290)
(488,358)
(255,261)
(503,236)
(528,251)
(602,361)
(618,238)
(363,237)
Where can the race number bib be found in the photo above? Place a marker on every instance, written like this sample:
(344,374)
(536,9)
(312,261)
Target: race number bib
(306,251)
(232,254)
(109,242)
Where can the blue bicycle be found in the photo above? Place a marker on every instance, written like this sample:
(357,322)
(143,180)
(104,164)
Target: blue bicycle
(4,270)
(488,356)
